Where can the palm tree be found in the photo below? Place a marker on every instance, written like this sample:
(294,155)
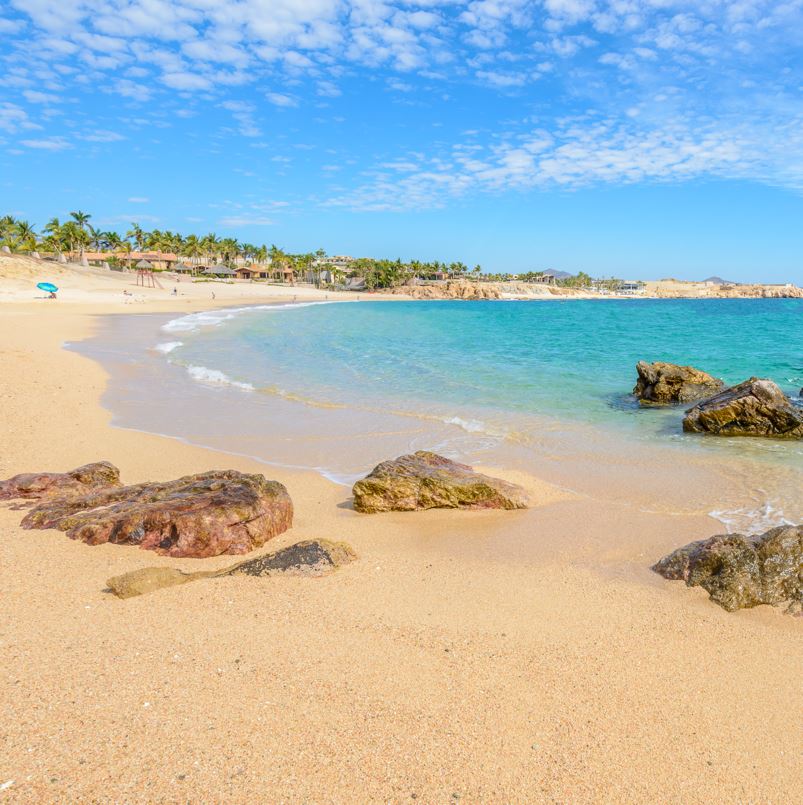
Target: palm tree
(209,244)
(96,238)
(138,235)
(82,219)
(26,236)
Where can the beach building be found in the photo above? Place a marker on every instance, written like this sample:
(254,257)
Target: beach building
(631,287)
(341,261)
(220,270)
(160,261)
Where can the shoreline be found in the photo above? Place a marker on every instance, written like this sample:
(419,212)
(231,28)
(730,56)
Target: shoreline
(561,447)
(393,676)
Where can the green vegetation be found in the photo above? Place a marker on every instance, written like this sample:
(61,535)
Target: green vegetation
(77,235)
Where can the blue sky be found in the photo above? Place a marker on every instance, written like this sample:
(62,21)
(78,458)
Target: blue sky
(641,138)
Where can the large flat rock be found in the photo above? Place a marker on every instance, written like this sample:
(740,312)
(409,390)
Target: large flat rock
(212,513)
(426,480)
(755,407)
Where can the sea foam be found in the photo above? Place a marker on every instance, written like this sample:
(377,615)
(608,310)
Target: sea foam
(755,520)
(216,378)
(193,322)
(168,346)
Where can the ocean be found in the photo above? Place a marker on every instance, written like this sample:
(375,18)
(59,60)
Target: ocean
(540,387)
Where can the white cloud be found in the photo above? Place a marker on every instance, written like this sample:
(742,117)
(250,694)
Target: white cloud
(11,26)
(33,96)
(132,90)
(693,84)
(245,220)
(185,80)
(102,136)
(278,99)
(138,200)
(14,119)
(48,144)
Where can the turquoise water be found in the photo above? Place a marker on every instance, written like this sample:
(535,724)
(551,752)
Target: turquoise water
(567,360)
(542,388)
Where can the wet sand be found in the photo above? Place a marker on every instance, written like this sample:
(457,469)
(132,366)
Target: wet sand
(447,663)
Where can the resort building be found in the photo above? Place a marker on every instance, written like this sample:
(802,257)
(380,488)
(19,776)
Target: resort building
(631,287)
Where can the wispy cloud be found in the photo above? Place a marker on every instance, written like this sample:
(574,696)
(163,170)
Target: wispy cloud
(246,220)
(48,144)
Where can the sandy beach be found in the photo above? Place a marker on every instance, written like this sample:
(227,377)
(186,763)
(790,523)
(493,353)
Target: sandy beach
(475,656)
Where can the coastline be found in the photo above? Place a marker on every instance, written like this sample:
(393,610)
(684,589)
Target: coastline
(584,671)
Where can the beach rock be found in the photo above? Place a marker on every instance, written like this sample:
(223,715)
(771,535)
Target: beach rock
(208,514)
(741,571)
(666,383)
(426,480)
(312,557)
(36,485)
(308,558)
(754,408)
(450,289)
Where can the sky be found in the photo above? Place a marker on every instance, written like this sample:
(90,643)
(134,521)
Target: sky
(628,138)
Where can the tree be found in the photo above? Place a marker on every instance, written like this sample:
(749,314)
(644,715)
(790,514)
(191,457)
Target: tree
(82,220)
(26,236)
(138,235)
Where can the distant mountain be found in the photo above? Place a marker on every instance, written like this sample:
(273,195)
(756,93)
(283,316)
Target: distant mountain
(558,275)
(719,281)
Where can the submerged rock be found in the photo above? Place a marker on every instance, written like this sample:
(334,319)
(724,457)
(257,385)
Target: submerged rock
(208,514)
(426,480)
(666,383)
(308,558)
(36,485)
(754,408)
(741,571)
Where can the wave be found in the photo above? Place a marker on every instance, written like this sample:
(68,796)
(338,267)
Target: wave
(216,378)
(168,346)
(755,520)
(468,425)
(193,322)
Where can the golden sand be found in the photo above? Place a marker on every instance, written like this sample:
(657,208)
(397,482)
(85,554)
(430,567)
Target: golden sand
(446,664)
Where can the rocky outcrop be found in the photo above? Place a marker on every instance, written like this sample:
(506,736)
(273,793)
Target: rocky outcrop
(450,289)
(739,571)
(426,480)
(199,515)
(753,408)
(667,383)
(37,485)
(788,291)
(316,557)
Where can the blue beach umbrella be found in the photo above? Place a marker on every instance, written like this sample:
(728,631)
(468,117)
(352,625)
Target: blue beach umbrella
(47,286)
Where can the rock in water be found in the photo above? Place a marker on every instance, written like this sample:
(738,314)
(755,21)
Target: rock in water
(212,513)
(666,383)
(739,571)
(36,485)
(309,558)
(753,408)
(426,480)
